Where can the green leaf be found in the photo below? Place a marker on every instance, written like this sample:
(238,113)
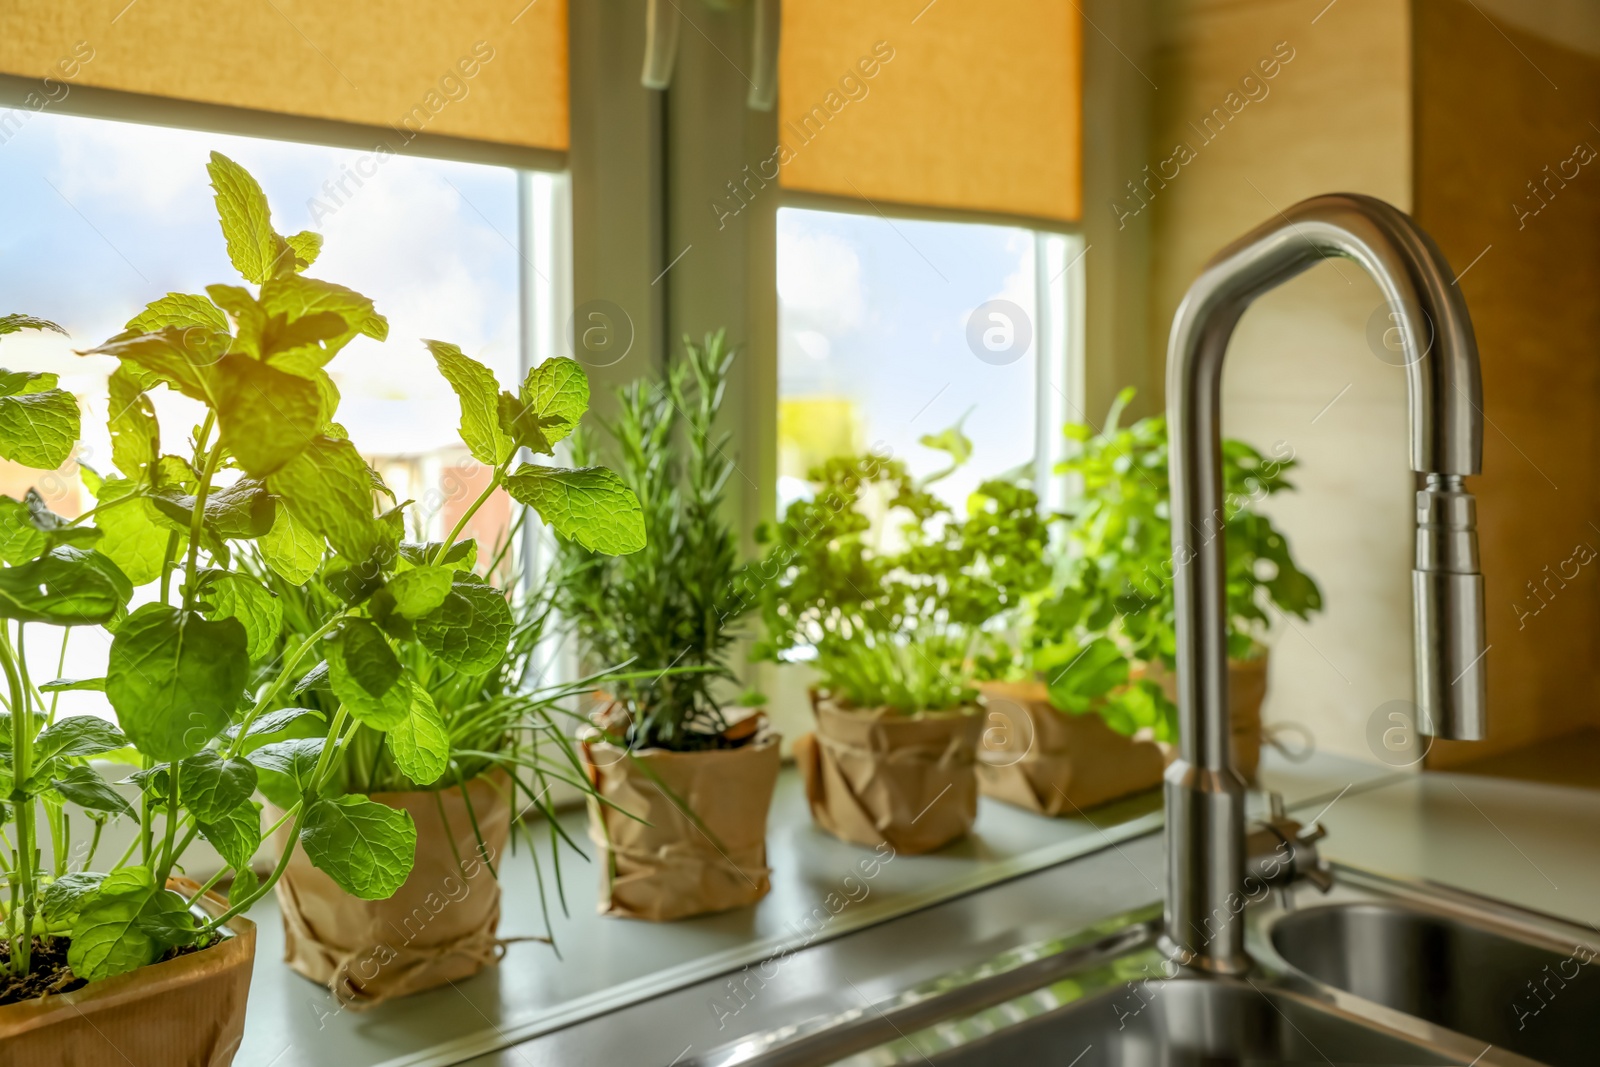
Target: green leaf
(249,321)
(271,724)
(236,835)
(329,486)
(15,323)
(590,505)
(306,246)
(20,539)
(291,548)
(39,429)
(556,393)
(63,898)
(420,743)
(133,539)
(211,786)
(470,630)
(76,736)
(85,788)
(462,556)
(67,587)
(135,434)
(227,595)
(266,415)
(57,530)
(254,247)
(364,846)
(183,358)
(1093,672)
(71,685)
(242,510)
(478,392)
(294,296)
(179,309)
(300,345)
(285,768)
(175,678)
(421,590)
(127,924)
(373,668)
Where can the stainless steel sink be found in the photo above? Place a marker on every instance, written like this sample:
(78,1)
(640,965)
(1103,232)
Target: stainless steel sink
(1520,982)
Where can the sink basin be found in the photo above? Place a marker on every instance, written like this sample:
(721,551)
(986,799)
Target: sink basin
(1174,1023)
(1538,1000)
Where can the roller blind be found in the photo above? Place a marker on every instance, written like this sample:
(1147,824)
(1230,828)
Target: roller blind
(485,70)
(965,104)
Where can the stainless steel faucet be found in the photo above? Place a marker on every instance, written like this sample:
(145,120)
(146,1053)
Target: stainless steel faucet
(1206,862)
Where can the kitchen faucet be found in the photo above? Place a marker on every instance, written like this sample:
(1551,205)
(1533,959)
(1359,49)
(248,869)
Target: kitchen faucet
(1205,829)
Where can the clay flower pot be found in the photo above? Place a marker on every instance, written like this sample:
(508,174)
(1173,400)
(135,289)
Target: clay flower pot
(670,865)
(1054,762)
(440,925)
(184,1012)
(875,776)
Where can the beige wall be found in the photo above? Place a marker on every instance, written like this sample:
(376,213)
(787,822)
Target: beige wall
(1335,118)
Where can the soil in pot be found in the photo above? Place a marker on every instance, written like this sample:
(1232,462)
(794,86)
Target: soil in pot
(50,973)
(1055,763)
(702,844)
(440,925)
(185,1011)
(879,777)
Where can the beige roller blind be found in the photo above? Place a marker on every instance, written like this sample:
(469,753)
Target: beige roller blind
(486,70)
(965,104)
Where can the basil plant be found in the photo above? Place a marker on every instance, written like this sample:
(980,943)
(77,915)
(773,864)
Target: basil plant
(194,675)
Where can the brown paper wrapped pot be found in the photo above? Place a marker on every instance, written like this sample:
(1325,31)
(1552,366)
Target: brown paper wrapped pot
(670,866)
(875,776)
(1053,763)
(186,1012)
(1247,691)
(440,924)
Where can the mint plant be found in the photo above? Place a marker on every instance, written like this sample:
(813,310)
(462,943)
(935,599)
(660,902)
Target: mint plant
(194,674)
(907,610)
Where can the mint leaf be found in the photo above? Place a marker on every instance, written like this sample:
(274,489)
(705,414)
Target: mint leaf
(211,786)
(382,711)
(77,736)
(330,488)
(461,556)
(269,724)
(294,296)
(175,678)
(557,394)
(291,548)
(249,320)
(478,392)
(236,835)
(590,505)
(127,924)
(20,539)
(364,846)
(254,247)
(15,323)
(242,510)
(367,657)
(267,416)
(179,309)
(226,595)
(84,787)
(420,743)
(284,768)
(180,357)
(469,631)
(306,246)
(63,898)
(133,539)
(66,587)
(420,590)
(135,434)
(38,429)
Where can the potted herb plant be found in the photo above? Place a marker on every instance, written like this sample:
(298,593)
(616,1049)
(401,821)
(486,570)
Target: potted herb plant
(901,603)
(1116,592)
(682,778)
(488,745)
(131,961)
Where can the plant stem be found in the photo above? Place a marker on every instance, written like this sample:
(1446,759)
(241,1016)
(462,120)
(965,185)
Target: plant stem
(461,524)
(276,685)
(21,756)
(197,516)
(168,856)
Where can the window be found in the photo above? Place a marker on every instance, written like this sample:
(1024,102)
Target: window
(891,329)
(457,251)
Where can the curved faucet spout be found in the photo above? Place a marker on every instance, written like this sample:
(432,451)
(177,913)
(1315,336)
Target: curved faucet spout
(1205,797)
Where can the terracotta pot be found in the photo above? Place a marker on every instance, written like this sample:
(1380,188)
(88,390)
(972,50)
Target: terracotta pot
(671,865)
(1056,763)
(1247,691)
(439,926)
(875,776)
(186,1012)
